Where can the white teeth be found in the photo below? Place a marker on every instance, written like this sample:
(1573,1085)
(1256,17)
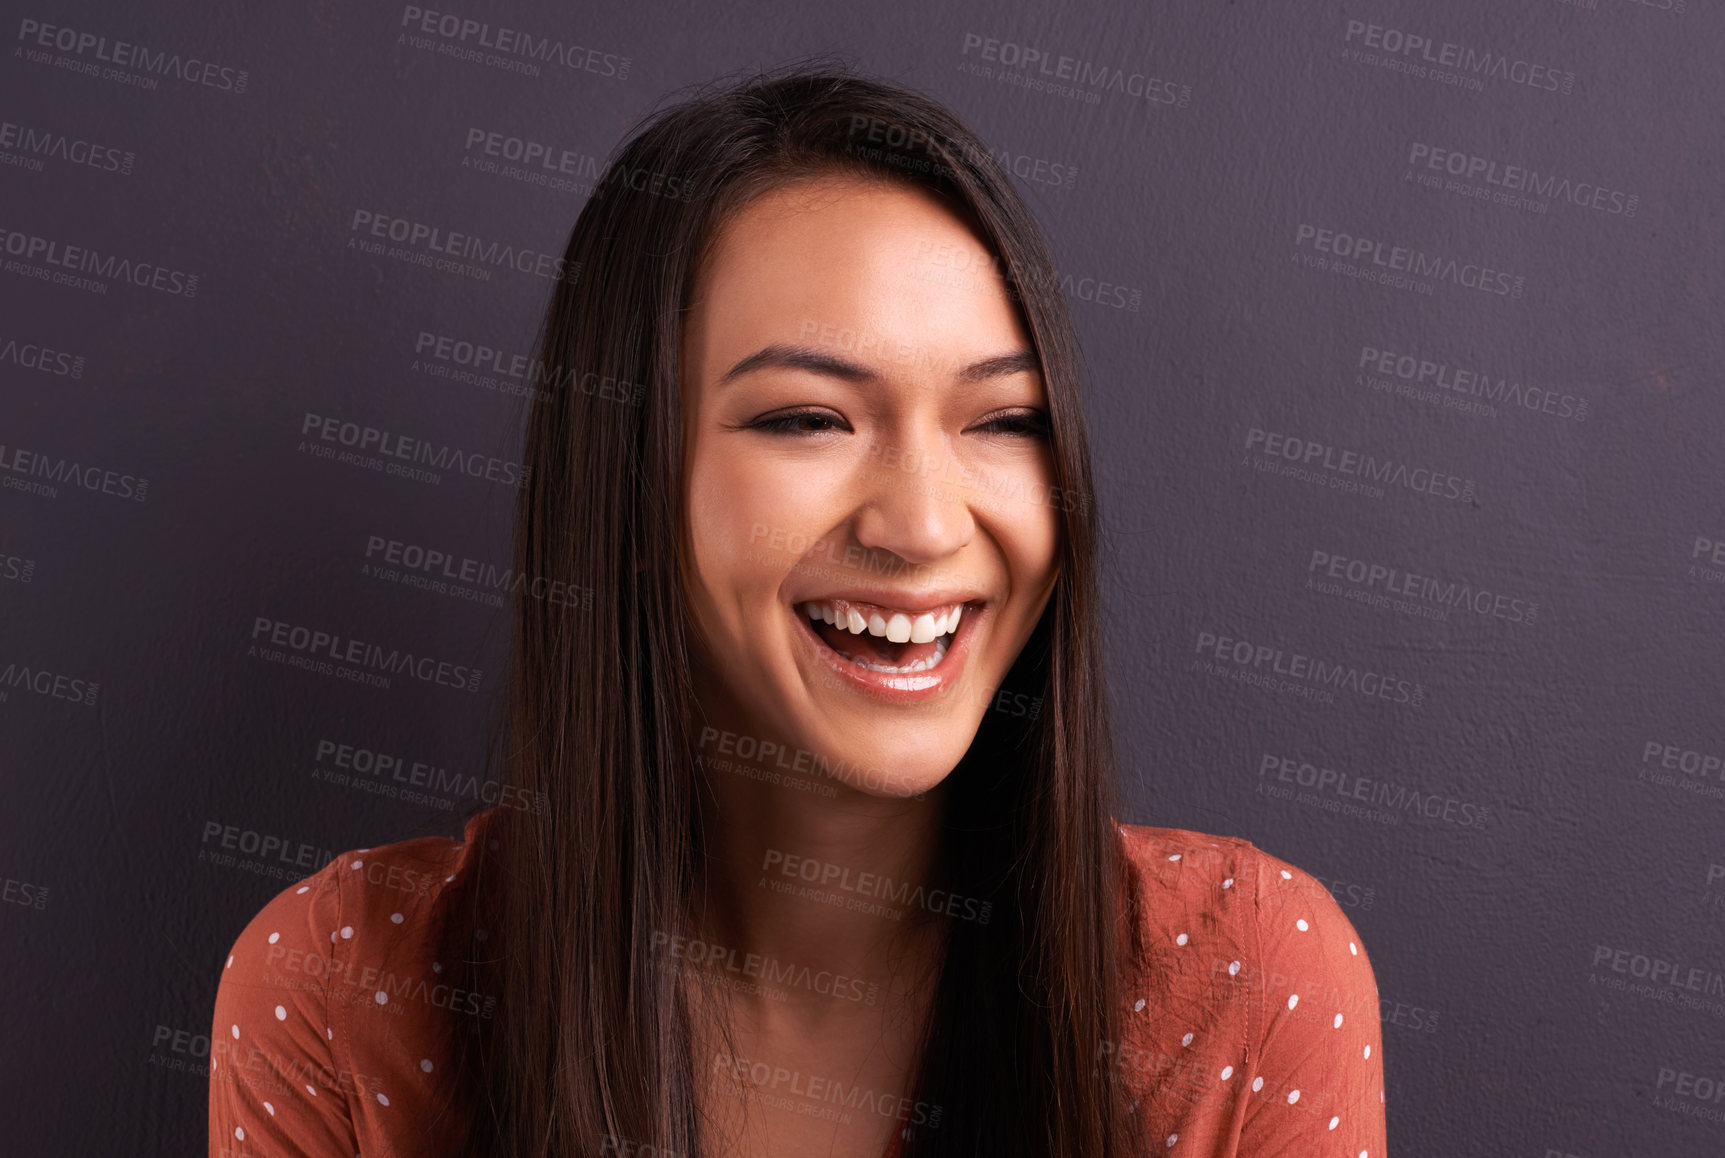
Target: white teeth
(899,627)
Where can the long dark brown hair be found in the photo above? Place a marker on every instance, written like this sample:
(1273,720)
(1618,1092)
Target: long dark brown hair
(589,1051)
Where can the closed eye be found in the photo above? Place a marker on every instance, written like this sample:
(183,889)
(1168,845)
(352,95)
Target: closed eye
(800,422)
(1019,424)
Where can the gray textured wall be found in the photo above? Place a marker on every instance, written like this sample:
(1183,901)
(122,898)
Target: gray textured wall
(1478,695)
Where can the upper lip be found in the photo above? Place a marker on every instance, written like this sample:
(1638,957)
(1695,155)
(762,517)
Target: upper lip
(906,601)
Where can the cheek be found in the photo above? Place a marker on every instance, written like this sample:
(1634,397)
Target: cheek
(751,520)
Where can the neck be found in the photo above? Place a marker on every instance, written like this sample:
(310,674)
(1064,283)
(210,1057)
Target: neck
(802,877)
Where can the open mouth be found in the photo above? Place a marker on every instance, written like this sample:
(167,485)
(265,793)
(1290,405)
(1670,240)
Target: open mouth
(879,639)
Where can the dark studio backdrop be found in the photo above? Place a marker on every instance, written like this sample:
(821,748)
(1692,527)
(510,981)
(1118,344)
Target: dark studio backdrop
(1404,344)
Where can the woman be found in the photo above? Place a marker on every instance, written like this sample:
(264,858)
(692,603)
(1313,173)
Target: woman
(822,856)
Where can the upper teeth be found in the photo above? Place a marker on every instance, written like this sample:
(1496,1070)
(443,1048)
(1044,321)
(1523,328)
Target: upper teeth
(897,626)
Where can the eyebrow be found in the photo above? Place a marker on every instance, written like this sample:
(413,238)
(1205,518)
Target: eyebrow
(820,362)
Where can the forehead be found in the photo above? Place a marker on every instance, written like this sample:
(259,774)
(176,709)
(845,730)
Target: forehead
(834,252)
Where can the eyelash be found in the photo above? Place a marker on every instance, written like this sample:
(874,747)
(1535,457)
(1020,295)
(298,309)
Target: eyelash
(1023,423)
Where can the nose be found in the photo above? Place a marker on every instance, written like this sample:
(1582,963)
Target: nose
(913,504)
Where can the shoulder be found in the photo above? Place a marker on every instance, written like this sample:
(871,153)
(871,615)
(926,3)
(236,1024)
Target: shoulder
(1234,946)
(1230,883)
(349,907)
(297,984)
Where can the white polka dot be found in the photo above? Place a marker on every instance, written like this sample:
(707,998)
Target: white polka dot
(425,1064)
(382,1101)
(1229,883)
(281,1013)
(1187,1040)
(311,1089)
(301,889)
(396,917)
(1138,1005)
(1334,1122)
(1172,1138)
(1233,968)
(1286,875)
(1257,1084)
(437,967)
(1353,948)
(329,1033)
(332,938)
(1293,1096)
(1362,1154)
(230,963)
(1337,1024)
(1301,925)
(1368,1051)
(346,932)
(448,878)
(1293,1000)
(236,1033)
(356,864)
(270,1108)
(240,1133)
(1174,856)
(274,937)
(382,997)
(1180,940)
(1227,1072)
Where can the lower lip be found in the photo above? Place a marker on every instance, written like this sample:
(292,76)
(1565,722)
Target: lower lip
(920,687)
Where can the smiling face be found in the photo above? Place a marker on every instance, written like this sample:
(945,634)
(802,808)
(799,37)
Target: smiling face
(871,538)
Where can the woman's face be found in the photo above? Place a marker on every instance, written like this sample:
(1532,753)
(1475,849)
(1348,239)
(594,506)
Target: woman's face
(865,432)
